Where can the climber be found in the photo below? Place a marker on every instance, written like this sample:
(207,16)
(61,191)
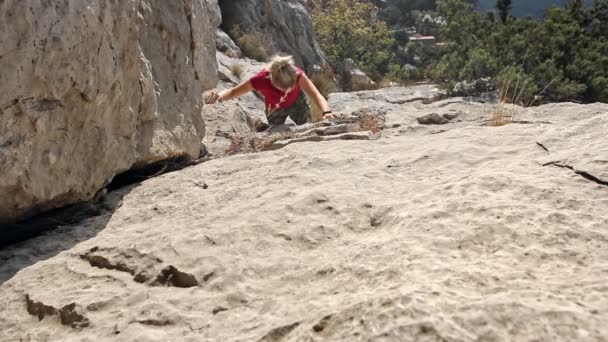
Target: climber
(283,85)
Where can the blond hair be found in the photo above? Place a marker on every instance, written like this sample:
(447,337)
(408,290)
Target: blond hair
(283,72)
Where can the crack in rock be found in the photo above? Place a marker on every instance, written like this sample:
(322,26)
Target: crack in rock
(542,146)
(406,100)
(588,176)
(161,322)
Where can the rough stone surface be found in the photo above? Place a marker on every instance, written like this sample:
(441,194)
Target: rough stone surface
(564,146)
(230,117)
(458,234)
(284,24)
(92,88)
(432,119)
(225,44)
(451,116)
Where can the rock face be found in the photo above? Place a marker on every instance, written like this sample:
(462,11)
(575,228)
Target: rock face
(284,24)
(91,89)
(225,44)
(352,78)
(461,234)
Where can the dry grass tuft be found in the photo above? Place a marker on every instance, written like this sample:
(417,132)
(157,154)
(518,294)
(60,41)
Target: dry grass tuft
(505,112)
(252,142)
(252,47)
(508,109)
(241,143)
(370,122)
(236,69)
(386,82)
(232,53)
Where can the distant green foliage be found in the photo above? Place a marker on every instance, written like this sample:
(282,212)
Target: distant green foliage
(352,29)
(564,57)
(404,74)
(405,12)
(504,9)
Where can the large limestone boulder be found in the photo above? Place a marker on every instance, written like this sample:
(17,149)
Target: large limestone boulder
(225,44)
(279,26)
(352,78)
(89,89)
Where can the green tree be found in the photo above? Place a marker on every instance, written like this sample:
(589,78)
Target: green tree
(352,29)
(504,9)
(400,13)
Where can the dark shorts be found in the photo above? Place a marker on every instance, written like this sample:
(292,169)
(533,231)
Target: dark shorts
(299,112)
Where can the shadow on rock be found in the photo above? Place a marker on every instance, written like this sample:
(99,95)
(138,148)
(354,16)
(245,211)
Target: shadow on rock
(25,243)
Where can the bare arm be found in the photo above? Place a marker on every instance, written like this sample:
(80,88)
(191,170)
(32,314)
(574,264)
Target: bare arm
(236,91)
(313,93)
(230,93)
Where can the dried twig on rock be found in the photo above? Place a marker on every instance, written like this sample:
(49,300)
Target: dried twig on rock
(340,128)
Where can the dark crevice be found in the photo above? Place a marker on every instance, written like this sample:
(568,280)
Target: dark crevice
(591,177)
(193,45)
(527,122)
(554,163)
(12,104)
(542,146)
(404,101)
(99,47)
(583,174)
(157,322)
(138,175)
(12,233)
(143,95)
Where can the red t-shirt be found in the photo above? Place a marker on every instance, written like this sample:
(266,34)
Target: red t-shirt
(273,97)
